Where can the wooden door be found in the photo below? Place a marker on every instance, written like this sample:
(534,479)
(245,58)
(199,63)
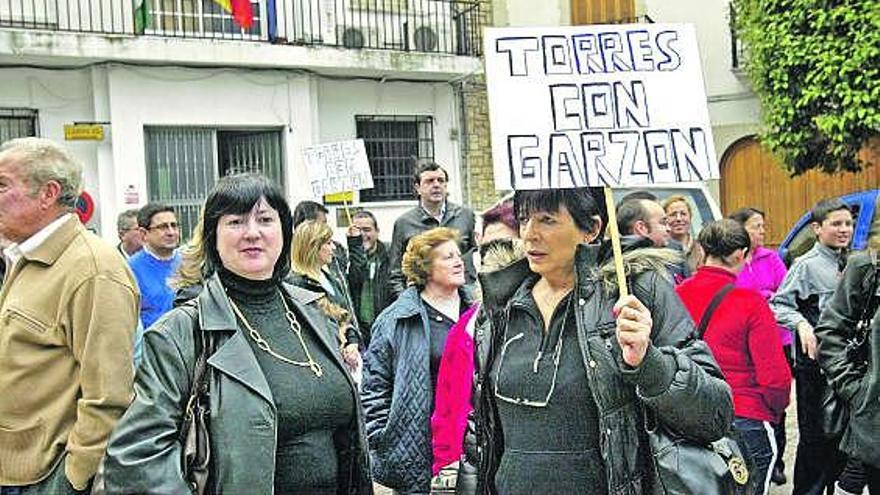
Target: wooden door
(750,176)
(602,11)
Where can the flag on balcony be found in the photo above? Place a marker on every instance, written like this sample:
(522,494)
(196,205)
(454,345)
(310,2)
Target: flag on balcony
(140,16)
(240,10)
(271,20)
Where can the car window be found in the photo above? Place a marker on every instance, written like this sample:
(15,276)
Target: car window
(800,243)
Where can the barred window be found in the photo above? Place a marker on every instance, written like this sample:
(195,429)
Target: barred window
(184,163)
(394,143)
(16,123)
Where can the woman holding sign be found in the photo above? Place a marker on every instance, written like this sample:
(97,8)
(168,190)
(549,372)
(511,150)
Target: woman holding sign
(565,368)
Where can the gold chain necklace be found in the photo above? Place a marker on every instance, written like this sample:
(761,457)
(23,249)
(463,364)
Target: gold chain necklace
(294,326)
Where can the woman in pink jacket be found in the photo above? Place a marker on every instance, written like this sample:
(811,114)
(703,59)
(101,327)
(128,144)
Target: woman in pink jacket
(763,273)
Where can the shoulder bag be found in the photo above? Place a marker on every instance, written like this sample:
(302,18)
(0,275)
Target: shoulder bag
(194,435)
(684,466)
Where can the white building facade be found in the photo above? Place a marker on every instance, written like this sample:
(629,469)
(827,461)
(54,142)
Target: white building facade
(192,96)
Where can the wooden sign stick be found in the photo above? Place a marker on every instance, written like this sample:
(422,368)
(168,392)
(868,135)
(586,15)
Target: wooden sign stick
(347,211)
(615,242)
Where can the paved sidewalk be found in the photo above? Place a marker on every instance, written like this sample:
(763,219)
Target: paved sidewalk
(791,440)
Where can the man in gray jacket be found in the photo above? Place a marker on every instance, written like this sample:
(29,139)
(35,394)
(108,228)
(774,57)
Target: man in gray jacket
(434,210)
(806,289)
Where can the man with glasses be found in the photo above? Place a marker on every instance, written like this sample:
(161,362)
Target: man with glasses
(157,261)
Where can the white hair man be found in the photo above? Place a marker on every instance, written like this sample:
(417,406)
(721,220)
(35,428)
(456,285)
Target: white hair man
(68,311)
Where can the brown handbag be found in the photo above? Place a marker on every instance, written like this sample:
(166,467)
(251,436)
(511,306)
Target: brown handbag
(194,435)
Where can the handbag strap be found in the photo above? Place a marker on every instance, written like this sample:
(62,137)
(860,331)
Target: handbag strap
(203,344)
(713,305)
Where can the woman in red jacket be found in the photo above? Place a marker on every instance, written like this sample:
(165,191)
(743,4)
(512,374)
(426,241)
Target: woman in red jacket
(742,334)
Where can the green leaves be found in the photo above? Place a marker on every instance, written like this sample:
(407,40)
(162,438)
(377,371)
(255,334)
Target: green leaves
(815,65)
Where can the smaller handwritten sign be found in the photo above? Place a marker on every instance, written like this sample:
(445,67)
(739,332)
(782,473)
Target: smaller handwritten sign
(338,167)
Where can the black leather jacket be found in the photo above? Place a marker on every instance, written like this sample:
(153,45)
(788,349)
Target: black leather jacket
(853,380)
(678,379)
(144,453)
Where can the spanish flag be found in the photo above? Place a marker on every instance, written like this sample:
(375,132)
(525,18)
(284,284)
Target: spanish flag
(240,10)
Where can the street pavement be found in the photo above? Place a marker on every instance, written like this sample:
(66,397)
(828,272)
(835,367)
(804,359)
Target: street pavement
(791,440)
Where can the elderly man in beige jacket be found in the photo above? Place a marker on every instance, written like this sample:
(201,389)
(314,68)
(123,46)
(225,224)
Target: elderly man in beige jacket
(68,310)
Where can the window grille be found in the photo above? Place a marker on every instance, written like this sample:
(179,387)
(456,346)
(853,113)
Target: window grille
(394,143)
(184,163)
(17,122)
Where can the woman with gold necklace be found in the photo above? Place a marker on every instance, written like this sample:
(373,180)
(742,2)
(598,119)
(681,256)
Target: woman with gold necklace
(284,412)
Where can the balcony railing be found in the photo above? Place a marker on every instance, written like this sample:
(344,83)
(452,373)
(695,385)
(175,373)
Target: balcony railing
(438,26)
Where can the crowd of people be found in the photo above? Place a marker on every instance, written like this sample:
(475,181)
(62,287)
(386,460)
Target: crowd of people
(488,354)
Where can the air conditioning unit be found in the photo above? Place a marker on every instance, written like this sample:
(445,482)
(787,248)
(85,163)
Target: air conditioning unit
(433,30)
(431,37)
(424,39)
(379,36)
(352,37)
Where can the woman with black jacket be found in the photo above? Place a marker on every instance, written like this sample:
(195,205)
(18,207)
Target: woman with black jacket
(852,370)
(284,414)
(566,368)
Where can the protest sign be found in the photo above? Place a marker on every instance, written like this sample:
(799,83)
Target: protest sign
(599,105)
(338,167)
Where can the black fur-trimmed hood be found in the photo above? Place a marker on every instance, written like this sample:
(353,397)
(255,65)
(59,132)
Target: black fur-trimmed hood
(505,267)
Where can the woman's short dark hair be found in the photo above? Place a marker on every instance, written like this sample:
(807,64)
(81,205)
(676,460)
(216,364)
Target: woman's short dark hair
(233,195)
(743,215)
(583,203)
(722,237)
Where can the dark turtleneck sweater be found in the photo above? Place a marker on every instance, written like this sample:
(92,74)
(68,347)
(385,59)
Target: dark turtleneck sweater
(314,414)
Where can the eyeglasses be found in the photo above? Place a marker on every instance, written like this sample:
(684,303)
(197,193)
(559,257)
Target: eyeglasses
(164,226)
(557,355)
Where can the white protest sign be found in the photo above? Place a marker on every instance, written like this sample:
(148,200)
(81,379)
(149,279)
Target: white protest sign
(338,167)
(597,105)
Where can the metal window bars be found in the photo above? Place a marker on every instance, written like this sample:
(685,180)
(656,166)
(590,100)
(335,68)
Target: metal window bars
(18,122)
(394,143)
